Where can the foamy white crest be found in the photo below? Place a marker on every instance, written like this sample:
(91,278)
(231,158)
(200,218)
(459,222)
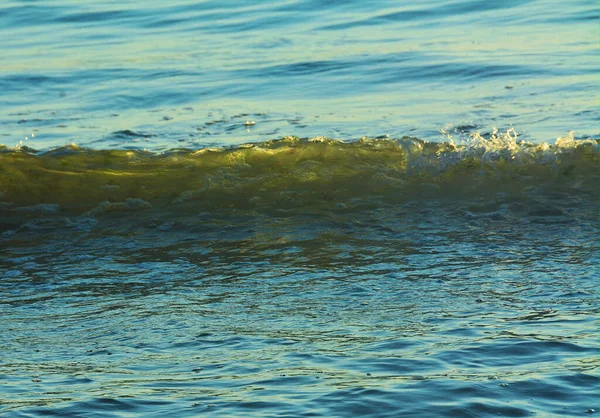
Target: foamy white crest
(505,146)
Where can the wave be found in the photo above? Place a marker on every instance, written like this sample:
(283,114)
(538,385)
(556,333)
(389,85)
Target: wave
(293,173)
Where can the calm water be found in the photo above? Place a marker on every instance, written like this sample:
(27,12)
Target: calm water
(179,236)
(186,73)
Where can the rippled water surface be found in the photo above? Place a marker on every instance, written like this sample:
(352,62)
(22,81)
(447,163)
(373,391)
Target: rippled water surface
(179,236)
(189,73)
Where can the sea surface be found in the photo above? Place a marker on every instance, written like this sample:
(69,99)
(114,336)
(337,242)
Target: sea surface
(299,208)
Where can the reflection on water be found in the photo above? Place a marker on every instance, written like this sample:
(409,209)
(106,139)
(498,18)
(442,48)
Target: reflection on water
(437,307)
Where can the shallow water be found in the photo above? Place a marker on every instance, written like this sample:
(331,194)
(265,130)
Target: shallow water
(159,255)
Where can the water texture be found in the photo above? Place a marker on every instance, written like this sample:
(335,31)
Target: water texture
(299,208)
(188,73)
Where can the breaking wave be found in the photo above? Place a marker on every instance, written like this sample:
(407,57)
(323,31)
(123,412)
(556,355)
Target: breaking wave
(293,173)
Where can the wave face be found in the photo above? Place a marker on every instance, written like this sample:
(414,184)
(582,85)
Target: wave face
(294,174)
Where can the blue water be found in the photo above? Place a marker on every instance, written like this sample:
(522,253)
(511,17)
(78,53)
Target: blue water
(153,264)
(79,71)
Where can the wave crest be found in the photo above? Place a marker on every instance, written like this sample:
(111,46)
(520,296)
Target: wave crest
(298,172)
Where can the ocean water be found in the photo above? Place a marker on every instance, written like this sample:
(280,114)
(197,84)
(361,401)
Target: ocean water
(299,208)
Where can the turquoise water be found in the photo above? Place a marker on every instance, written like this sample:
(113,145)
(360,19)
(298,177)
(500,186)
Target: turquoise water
(296,209)
(188,73)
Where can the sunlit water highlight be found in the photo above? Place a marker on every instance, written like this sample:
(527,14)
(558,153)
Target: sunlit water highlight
(179,234)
